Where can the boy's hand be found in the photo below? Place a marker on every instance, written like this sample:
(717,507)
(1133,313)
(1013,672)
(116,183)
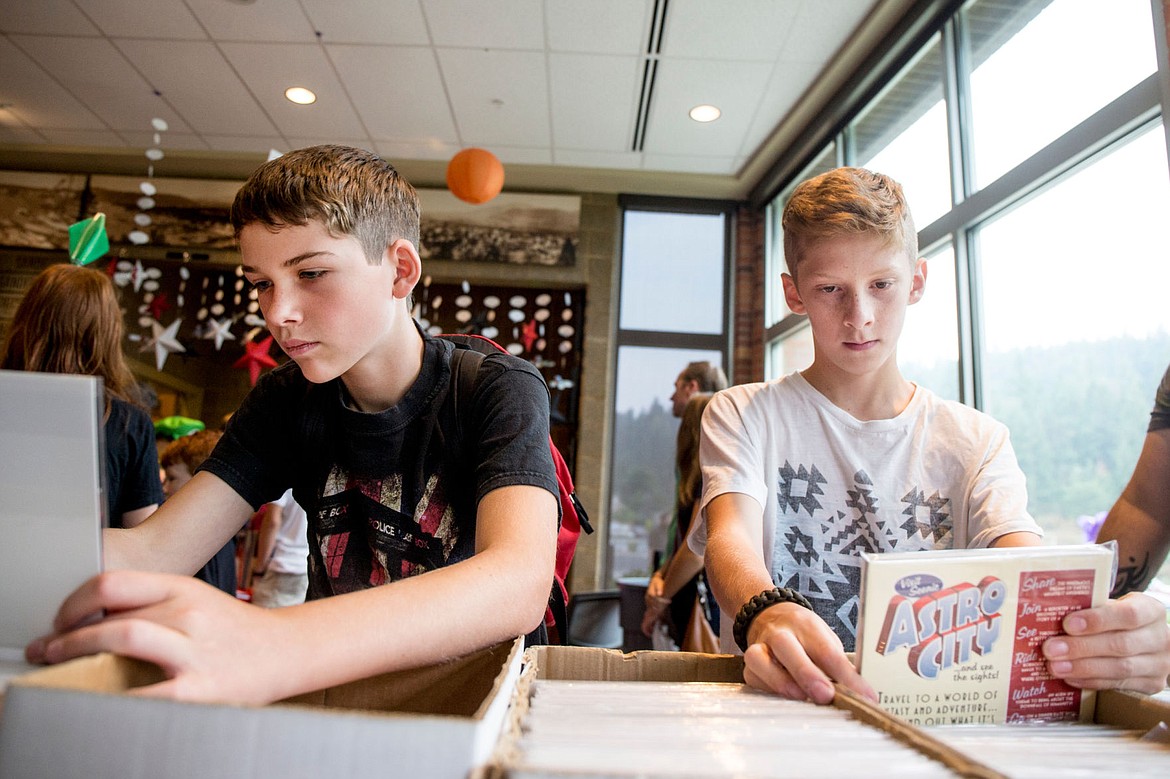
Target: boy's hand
(794,653)
(1123,645)
(202,638)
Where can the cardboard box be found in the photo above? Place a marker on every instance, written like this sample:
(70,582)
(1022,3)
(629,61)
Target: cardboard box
(1117,709)
(75,720)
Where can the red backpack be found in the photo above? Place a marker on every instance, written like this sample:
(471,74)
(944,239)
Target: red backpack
(465,361)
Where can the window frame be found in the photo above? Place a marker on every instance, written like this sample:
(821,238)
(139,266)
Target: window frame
(623,337)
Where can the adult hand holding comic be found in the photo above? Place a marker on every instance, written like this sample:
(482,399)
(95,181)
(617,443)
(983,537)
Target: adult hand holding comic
(792,652)
(1123,644)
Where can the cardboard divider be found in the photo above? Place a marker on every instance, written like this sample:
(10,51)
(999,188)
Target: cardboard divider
(874,715)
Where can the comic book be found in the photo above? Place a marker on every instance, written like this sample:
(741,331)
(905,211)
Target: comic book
(954,636)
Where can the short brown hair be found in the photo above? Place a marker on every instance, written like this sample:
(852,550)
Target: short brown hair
(69,322)
(847,201)
(710,378)
(350,191)
(191,450)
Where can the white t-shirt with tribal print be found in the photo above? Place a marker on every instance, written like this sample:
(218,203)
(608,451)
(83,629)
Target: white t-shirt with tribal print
(939,475)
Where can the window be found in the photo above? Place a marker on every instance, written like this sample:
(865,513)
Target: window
(673,311)
(1041,67)
(928,351)
(672,272)
(1076,331)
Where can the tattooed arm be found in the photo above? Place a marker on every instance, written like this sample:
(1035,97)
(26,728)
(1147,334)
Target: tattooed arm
(1140,520)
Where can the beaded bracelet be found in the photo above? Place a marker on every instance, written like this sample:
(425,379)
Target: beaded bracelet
(758,603)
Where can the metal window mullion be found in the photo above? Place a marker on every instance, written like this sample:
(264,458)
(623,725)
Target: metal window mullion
(1160,49)
(970,319)
(960,112)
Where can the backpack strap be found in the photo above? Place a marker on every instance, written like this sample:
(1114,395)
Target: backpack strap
(465,364)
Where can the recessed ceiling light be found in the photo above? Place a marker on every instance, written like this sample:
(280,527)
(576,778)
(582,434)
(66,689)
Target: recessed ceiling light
(705,113)
(300,95)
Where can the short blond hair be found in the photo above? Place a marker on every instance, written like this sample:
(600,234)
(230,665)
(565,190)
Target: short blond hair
(847,201)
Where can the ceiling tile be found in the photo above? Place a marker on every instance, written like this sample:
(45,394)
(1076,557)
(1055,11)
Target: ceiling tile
(825,26)
(406,150)
(12,131)
(628,160)
(136,19)
(499,97)
(263,20)
(168,141)
(260,144)
(368,21)
(98,138)
(397,91)
(689,163)
(599,27)
(36,97)
(517,24)
(99,76)
(743,30)
(44,17)
(515,155)
(270,68)
(789,80)
(594,99)
(734,87)
(205,101)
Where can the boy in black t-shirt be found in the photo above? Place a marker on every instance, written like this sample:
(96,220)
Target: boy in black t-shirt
(357,425)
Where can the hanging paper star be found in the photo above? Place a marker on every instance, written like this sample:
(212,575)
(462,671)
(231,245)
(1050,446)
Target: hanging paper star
(159,305)
(256,357)
(219,331)
(164,341)
(528,334)
(136,275)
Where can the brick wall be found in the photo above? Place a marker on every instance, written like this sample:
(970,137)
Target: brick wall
(747,359)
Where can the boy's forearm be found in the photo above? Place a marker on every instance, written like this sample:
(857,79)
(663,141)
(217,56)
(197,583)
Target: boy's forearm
(499,593)
(183,534)
(734,556)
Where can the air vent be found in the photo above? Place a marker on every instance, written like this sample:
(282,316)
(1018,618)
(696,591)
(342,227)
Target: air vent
(649,73)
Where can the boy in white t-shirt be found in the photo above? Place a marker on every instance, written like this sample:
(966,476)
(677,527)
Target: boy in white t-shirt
(801,475)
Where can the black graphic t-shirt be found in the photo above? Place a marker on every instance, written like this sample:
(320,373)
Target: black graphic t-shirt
(389,494)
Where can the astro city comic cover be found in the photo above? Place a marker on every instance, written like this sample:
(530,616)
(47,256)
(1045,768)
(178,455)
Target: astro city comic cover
(953,637)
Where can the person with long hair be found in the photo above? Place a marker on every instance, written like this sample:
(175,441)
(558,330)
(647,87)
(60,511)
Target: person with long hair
(69,322)
(680,574)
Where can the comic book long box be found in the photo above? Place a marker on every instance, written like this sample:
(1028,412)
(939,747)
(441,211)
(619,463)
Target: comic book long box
(954,637)
(77,719)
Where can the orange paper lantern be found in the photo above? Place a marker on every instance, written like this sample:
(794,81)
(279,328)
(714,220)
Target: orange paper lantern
(475,175)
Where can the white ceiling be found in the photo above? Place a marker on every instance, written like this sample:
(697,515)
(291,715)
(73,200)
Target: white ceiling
(548,85)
